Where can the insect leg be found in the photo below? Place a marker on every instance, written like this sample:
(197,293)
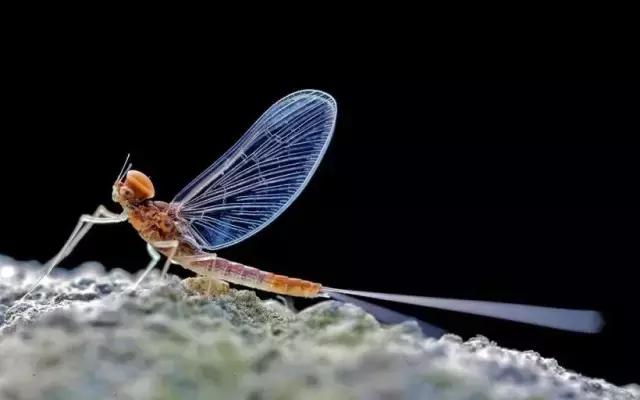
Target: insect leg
(172,245)
(101,211)
(155,257)
(84,220)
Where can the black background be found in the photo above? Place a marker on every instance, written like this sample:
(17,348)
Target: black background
(518,191)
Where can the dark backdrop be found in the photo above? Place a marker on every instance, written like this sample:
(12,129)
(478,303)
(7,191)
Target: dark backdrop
(496,190)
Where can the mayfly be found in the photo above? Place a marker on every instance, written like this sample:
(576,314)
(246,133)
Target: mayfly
(243,192)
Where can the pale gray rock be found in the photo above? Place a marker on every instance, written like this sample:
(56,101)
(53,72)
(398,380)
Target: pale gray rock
(85,335)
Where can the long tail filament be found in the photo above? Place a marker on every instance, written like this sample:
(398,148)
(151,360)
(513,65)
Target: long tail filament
(586,321)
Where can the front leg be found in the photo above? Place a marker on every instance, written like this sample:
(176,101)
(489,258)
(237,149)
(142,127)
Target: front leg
(101,211)
(85,222)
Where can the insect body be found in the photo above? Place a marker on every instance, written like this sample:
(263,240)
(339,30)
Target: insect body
(245,190)
(158,222)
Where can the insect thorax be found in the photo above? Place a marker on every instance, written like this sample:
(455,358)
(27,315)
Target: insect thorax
(152,221)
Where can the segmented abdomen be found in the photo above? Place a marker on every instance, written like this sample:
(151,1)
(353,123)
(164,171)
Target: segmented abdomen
(254,278)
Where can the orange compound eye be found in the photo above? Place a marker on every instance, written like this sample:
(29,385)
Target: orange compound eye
(140,186)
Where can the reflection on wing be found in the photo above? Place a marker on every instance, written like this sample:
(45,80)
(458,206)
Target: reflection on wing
(257,179)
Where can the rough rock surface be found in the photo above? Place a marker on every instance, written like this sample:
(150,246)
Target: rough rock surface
(84,335)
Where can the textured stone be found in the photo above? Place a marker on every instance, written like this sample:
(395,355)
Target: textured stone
(85,334)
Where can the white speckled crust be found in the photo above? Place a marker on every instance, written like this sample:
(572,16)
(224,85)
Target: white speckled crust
(83,335)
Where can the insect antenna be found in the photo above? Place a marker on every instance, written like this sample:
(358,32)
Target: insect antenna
(125,168)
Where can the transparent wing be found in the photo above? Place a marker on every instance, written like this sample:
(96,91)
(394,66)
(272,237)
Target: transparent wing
(257,179)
